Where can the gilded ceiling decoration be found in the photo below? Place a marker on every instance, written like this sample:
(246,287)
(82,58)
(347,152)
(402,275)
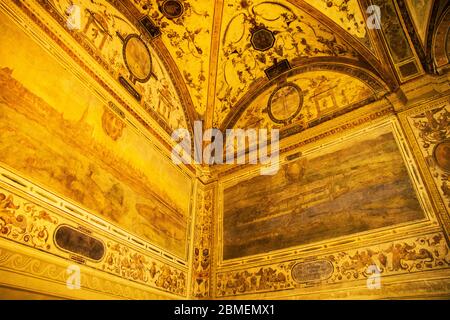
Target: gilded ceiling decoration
(256,34)
(394,32)
(432,130)
(112,124)
(305,98)
(346,13)
(420,11)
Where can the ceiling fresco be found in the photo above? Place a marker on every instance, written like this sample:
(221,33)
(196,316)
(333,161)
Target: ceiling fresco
(420,11)
(187,60)
(296,34)
(186,31)
(347,14)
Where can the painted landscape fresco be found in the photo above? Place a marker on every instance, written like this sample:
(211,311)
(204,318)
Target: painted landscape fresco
(360,186)
(55,131)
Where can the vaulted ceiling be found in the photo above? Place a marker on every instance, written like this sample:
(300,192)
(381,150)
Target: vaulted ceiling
(255,63)
(223,48)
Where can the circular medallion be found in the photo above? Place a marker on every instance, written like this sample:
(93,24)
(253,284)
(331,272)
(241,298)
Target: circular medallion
(285,103)
(172,9)
(441,155)
(137,58)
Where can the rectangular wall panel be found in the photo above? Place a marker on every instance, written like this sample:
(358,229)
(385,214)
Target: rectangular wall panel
(358,185)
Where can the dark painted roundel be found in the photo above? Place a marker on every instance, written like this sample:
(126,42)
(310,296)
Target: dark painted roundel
(262,39)
(172,9)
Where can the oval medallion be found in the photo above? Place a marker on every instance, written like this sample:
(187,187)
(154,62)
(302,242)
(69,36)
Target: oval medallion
(74,241)
(318,270)
(172,9)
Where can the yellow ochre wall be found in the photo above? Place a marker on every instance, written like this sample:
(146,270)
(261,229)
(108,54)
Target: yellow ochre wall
(77,152)
(71,157)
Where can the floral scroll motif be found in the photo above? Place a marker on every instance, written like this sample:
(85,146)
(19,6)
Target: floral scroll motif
(432,129)
(26,223)
(57,273)
(296,35)
(202,247)
(187,40)
(349,15)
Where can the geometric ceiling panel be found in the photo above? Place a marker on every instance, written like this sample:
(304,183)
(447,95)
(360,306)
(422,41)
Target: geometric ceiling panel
(209,59)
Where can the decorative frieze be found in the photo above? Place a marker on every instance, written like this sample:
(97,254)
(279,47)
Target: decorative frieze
(393,258)
(31,224)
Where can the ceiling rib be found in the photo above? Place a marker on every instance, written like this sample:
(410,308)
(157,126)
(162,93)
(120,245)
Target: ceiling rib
(213,62)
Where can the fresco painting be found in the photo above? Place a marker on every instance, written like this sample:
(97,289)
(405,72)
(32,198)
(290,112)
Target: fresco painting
(60,134)
(348,188)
